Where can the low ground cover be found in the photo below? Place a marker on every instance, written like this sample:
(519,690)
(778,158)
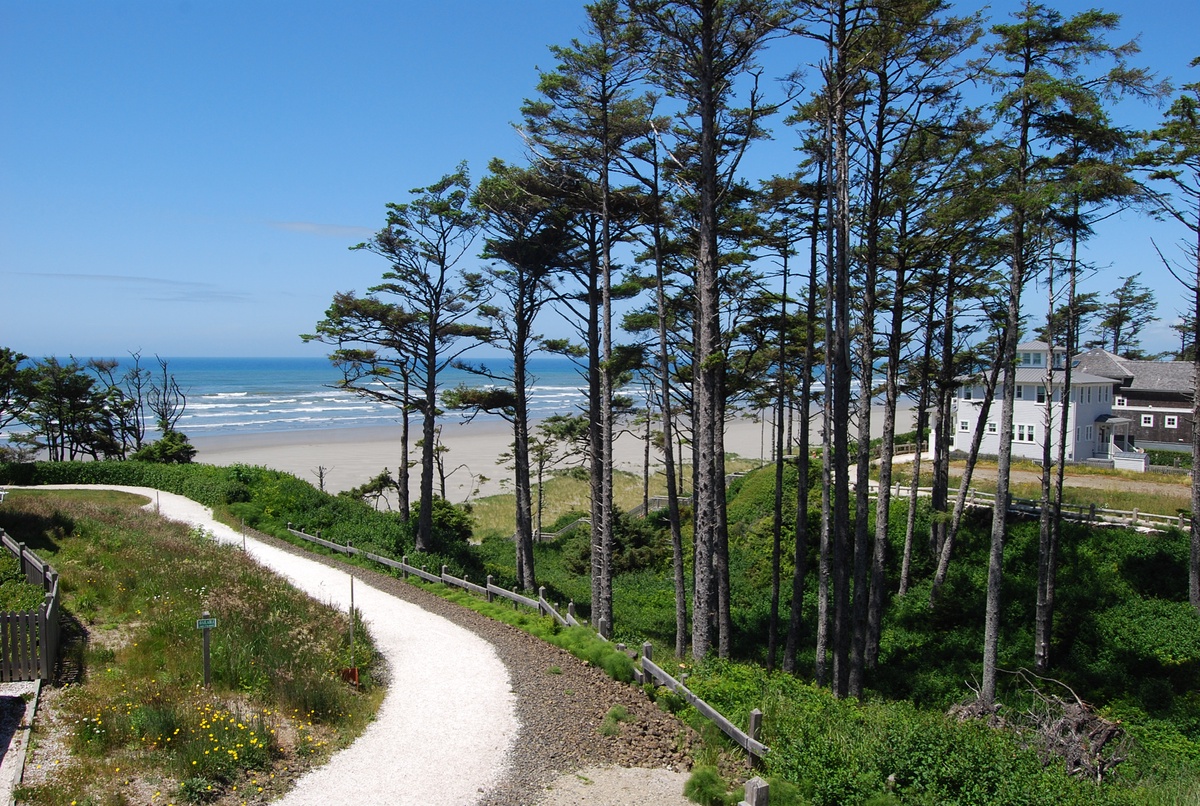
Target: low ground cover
(132,721)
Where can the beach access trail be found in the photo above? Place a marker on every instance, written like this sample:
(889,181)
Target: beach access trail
(449,731)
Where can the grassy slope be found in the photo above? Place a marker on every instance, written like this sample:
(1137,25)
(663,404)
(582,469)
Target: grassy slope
(1126,641)
(136,720)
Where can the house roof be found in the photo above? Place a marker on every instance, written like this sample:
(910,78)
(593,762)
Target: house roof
(1038,375)
(1036,346)
(1139,376)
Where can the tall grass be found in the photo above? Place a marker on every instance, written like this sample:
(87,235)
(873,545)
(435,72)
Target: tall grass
(138,711)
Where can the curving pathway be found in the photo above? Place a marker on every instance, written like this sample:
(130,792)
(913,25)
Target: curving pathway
(446,725)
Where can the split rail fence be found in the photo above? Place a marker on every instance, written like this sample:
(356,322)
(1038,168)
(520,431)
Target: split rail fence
(647,672)
(29,639)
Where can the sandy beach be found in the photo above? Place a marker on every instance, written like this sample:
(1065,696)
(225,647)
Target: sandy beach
(352,456)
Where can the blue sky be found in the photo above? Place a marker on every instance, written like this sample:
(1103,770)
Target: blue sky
(185,178)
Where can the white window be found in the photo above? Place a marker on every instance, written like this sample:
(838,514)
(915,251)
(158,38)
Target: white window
(1020,392)
(1087,433)
(967,392)
(1147,420)
(1171,421)
(991,428)
(1025,433)
(963,425)
(1041,394)
(1119,401)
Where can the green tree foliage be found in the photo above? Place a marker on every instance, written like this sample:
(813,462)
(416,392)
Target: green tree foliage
(1130,308)
(394,344)
(172,448)
(1173,158)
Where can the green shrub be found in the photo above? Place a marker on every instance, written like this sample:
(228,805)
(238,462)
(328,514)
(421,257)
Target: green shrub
(706,787)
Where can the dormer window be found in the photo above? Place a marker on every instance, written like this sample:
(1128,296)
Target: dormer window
(1031,359)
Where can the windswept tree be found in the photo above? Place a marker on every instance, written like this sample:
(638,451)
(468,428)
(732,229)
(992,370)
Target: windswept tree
(527,236)
(702,53)
(1041,65)
(583,118)
(416,323)
(1173,157)
(1130,307)
(14,379)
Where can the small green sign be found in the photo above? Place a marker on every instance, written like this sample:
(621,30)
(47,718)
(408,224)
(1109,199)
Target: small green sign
(206,623)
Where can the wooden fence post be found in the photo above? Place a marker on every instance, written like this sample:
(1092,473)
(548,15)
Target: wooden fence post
(404,562)
(758,793)
(754,728)
(1092,511)
(541,596)
(490,597)
(1135,516)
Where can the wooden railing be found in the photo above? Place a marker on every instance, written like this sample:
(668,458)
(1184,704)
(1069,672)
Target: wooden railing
(1084,513)
(747,740)
(29,639)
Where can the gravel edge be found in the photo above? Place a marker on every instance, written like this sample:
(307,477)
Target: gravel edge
(561,701)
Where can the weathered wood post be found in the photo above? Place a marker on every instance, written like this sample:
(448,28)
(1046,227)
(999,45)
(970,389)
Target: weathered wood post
(758,793)
(488,588)
(514,601)
(1092,511)
(753,729)
(1135,516)
(541,596)
(404,565)
(641,673)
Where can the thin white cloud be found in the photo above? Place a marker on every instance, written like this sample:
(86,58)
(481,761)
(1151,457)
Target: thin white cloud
(152,289)
(324,230)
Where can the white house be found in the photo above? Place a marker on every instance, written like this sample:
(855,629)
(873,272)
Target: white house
(1094,434)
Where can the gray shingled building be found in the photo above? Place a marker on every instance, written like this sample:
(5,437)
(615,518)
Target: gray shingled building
(1156,396)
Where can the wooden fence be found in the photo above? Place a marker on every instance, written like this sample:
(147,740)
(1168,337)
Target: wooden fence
(29,640)
(647,672)
(1084,513)
(747,740)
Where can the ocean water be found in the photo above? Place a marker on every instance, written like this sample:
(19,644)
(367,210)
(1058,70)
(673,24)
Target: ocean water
(236,395)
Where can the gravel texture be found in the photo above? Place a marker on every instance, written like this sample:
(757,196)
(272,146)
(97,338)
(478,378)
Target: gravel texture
(477,711)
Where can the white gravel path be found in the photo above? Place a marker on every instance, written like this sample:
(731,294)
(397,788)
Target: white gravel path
(449,717)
